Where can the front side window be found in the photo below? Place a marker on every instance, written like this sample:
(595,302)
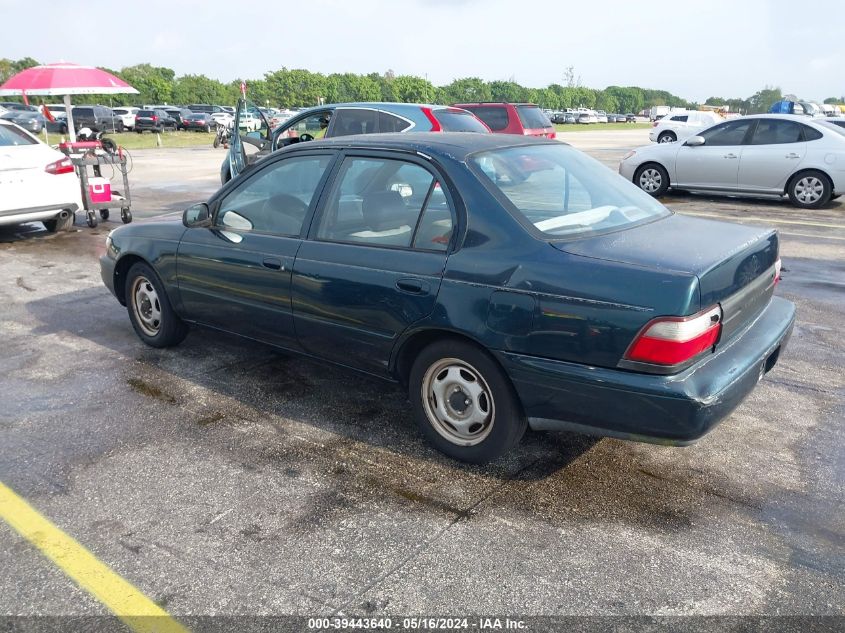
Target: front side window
(776,132)
(275,200)
(730,133)
(562,192)
(385,202)
(314,125)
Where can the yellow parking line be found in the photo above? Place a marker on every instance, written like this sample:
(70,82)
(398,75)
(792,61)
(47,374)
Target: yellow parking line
(137,611)
(769,220)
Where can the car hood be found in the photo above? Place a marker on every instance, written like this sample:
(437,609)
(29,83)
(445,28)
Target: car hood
(724,256)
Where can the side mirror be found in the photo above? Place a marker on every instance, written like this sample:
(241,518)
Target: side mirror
(695,141)
(197,216)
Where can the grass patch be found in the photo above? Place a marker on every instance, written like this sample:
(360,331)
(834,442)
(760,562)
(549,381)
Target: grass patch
(147,140)
(591,127)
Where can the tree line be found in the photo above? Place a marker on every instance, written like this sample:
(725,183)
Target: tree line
(286,88)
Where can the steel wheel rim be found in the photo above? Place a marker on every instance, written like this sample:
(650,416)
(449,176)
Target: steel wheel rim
(458,402)
(146,306)
(650,180)
(809,189)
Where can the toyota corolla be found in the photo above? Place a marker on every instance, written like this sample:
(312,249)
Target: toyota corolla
(507,281)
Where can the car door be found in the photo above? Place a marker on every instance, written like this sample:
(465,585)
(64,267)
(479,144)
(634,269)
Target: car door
(374,259)
(772,155)
(248,144)
(236,274)
(714,165)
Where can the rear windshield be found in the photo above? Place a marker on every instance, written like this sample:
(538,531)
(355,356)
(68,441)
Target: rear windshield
(199,107)
(145,113)
(562,192)
(196,116)
(10,135)
(532,117)
(458,121)
(83,112)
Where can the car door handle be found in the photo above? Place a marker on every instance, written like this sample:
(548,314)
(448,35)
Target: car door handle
(413,286)
(730,155)
(793,155)
(273,263)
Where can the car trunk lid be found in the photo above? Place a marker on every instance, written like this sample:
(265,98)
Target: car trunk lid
(734,264)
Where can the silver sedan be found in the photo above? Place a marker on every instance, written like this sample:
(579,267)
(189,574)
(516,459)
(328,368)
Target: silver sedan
(766,154)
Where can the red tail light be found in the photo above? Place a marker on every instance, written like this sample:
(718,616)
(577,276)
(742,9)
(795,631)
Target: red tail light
(674,340)
(61,166)
(154,118)
(435,124)
(552,134)
(136,118)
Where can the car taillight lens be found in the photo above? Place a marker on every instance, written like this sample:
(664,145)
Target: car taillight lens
(154,117)
(61,166)
(552,135)
(778,267)
(674,340)
(435,124)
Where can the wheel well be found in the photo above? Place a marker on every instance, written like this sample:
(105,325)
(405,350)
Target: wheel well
(668,133)
(416,343)
(120,270)
(804,171)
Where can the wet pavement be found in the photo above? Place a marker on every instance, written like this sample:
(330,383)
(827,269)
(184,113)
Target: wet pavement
(222,477)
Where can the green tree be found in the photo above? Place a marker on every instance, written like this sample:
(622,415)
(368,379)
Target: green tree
(154,83)
(506,91)
(296,87)
(409,89)
(469,89)
(763,99)
(199,89)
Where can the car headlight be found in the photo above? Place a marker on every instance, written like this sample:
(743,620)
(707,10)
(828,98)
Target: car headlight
(630,154)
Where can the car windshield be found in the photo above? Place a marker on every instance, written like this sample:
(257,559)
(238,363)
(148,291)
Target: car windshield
(532,117)
(459,121)
(563,192)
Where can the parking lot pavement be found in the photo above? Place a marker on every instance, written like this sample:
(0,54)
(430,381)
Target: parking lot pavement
(221,477)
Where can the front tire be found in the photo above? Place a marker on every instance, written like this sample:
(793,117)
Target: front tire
(652,178)
(464,403)
(810,190)
(153,318)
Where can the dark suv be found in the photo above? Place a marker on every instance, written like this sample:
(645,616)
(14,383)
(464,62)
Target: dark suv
(154,121)
(97,118)
(526,119)
(178,115)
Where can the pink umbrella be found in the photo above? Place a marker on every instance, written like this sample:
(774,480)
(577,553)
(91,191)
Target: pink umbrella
(65,79)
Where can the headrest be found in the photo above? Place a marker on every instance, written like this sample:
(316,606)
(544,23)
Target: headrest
(383,210)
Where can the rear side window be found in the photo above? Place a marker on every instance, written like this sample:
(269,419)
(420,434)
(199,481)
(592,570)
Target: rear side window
(496,117)
(350,121)
(532,117)
(390,123)
(10,136)
(458,121)
(776,132)
(813,135)
(384,202)
(682,118)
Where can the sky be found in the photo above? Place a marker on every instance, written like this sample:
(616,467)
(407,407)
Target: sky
(692,49)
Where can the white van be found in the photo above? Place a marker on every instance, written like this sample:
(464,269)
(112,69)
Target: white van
(681,124)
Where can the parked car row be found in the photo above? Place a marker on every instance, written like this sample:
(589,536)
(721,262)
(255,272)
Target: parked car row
(585,115)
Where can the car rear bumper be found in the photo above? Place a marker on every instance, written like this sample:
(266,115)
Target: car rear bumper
(676,409)
(10,217)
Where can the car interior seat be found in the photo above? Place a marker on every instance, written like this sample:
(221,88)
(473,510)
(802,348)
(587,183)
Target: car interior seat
(386,218)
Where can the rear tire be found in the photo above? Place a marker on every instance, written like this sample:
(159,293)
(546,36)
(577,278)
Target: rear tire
(667,137)
(809,190)
(652,178)
(465,405)
(153,318)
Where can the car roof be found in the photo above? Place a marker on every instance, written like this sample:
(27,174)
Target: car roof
(456,145)
(381,105)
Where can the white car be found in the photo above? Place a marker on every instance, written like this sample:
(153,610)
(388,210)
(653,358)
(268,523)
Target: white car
(763,154)
(678,125)
(127,115)
(38,183)
(223,118)
(249,121)
(601,116)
